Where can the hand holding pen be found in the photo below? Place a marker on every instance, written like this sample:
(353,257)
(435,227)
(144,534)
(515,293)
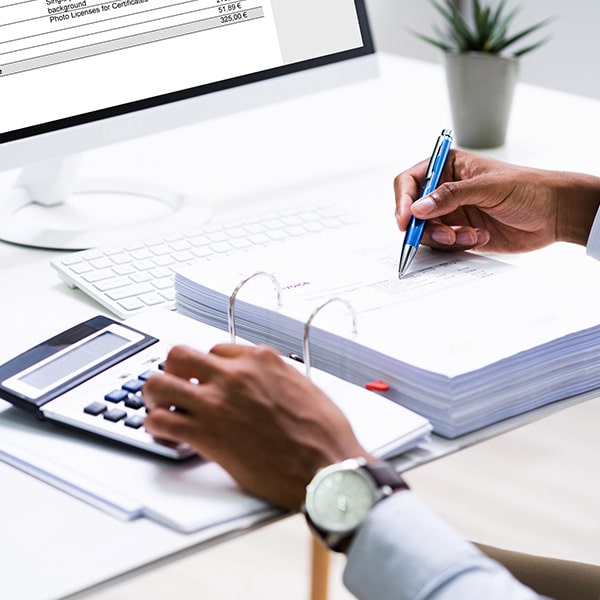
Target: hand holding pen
(414,231)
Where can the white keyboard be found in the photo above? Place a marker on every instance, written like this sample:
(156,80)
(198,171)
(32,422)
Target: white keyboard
(136,276)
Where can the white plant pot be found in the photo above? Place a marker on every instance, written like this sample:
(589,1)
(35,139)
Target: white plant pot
(480,88)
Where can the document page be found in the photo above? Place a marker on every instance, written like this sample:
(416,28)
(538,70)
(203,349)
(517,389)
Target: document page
(450,314)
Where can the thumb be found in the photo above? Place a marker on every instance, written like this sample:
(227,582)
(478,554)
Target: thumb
(444,200)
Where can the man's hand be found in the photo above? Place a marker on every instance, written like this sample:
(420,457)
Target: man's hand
(243,407)
(492,206)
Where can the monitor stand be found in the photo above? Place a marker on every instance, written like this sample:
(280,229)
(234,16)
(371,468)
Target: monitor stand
(48,207)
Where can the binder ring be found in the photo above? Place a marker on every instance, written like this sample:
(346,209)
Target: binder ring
(307,325)
(232,299)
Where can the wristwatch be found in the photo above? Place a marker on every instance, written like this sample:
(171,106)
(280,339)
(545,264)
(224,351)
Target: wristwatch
(340,496)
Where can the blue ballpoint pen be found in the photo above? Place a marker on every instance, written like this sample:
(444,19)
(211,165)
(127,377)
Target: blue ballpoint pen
(415,227)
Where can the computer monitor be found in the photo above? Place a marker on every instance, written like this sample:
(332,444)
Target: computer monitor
(79,74)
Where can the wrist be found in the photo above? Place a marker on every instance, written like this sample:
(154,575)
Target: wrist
(578,201)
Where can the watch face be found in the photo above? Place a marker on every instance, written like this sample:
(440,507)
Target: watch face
(340,500)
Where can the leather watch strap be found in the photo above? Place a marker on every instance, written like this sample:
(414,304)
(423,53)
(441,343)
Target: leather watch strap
(384,475)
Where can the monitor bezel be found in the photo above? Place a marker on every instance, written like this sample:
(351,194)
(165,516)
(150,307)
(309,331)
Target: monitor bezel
(200,91)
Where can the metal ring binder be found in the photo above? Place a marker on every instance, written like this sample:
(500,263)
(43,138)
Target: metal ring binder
(307,325)
(232,299)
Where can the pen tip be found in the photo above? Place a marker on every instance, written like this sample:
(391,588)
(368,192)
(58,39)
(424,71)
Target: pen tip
(406,256)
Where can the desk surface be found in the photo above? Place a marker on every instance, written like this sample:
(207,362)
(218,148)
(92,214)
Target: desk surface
(348,143)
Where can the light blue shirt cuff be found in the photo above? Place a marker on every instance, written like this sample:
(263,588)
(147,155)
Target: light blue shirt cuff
(593,242)
(405,551)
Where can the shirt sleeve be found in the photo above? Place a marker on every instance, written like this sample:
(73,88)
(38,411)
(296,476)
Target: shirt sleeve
(593,243)
(404,551)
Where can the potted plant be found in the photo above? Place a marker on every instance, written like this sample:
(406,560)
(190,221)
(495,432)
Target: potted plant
(481,67)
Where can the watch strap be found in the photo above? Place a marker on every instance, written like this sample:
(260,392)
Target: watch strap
(384,475)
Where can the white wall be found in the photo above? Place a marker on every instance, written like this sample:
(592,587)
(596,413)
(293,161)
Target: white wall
(570,61)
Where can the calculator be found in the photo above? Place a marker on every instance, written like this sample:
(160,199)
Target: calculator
(91,377)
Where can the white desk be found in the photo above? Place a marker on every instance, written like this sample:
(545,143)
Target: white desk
(348,143)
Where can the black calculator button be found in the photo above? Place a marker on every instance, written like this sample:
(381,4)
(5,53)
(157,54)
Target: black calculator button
(134,401)
(133,385)
(95,408)
(114,414)
(135,421)
(116,396)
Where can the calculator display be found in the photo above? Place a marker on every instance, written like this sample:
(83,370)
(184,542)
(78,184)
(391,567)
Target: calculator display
(47,368)
(74,360)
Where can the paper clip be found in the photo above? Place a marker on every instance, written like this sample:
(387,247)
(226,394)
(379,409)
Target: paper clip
(232,298)
(307,325)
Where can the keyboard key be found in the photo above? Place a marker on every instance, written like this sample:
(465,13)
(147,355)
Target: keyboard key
(129,290)
(152,299)
(82,267)
(99,275)
(161,250)
(163,284)
(221,247)
(203,251)
(123,270)
(105,285)
(101,263)
(142,277)
(131,304)
(141,254)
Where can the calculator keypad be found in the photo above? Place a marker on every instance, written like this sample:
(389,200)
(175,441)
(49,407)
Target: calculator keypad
(111,403)
(123,404)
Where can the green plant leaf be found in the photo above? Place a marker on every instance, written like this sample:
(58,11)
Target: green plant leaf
(515,38)
(459,29)
(489,31)
(527,49)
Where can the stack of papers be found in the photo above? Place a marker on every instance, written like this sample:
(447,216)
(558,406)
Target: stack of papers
(462,339)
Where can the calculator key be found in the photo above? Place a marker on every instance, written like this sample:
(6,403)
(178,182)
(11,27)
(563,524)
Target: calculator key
(114,414)
(147,374)
(133,385)
(134,401)
(116,396)
(135,421)
(95,408)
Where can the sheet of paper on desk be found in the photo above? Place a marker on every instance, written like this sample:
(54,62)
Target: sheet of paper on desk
(191,495)
(462,339)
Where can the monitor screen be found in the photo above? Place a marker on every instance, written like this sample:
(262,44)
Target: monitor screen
(71,68)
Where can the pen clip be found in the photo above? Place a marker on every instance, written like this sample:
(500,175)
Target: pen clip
(444,138)
(433,160)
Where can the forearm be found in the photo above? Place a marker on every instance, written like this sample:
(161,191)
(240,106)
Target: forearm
(578,201)
(404,551)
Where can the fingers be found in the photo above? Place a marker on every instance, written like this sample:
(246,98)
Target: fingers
(169,425)
(407,187)
(171,392)
(185,362)
(182,412)
(448,238)
(464,182)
